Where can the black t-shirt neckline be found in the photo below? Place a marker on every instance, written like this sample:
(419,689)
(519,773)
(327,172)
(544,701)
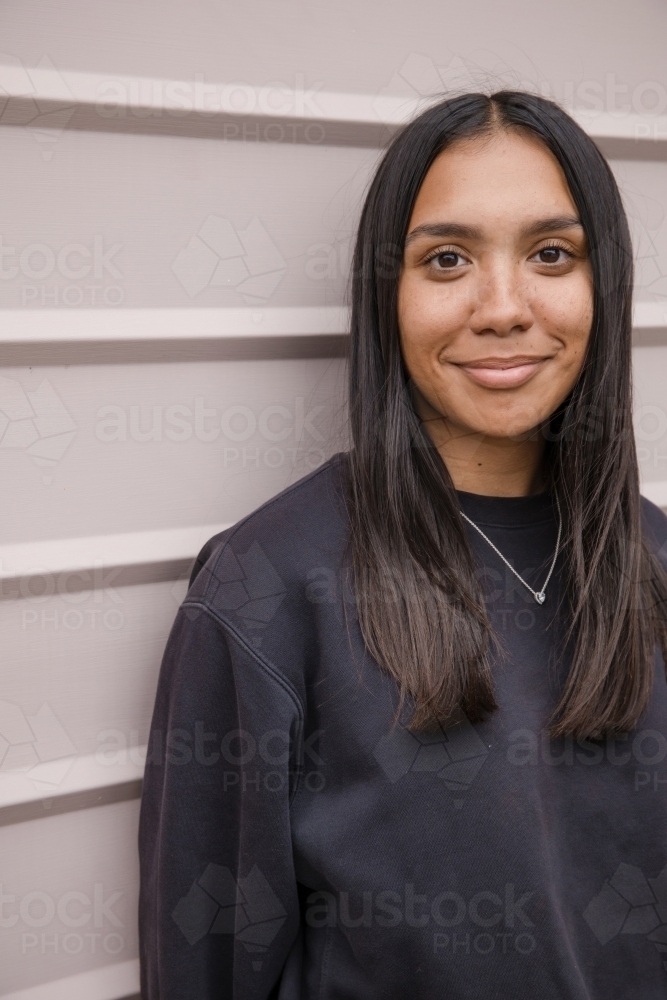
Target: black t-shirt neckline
(504,512)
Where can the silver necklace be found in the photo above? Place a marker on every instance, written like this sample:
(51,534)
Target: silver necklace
(539,595)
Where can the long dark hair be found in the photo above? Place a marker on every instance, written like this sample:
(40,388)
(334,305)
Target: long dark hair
(419,602)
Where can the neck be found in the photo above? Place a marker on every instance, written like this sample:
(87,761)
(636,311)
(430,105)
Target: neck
(498,467)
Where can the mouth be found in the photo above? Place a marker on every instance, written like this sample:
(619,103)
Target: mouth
(502,373)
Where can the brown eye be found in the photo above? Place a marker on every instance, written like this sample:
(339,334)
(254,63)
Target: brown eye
(447,259)
(550,255)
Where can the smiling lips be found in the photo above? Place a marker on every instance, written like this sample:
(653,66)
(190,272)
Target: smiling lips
(502,373)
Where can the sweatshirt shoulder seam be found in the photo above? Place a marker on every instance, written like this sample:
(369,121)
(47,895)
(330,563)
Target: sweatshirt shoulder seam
(265,666)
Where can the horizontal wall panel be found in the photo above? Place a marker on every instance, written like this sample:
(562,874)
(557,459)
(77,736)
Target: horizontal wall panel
(107,983)
(79,679)
(15,807)
(27,327)
(61,781)
(261,226)
(145,555)
(70,888)
(44,96)
(107,336)
(196,109)
(180,349)
(125,448)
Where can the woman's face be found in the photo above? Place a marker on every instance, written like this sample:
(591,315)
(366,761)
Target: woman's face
(495,296)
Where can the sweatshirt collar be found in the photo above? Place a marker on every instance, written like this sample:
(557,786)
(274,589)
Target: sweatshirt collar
(508,511)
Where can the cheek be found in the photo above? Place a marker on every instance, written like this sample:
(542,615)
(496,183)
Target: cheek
(429,314)
(566,312)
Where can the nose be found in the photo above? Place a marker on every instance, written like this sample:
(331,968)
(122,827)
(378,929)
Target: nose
(500,306)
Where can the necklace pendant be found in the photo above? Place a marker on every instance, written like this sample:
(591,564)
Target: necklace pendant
(539,596)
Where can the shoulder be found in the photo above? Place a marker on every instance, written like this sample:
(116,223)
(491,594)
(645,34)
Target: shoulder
(655,527)
(276,544)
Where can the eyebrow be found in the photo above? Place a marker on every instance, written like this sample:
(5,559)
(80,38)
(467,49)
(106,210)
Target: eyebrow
(454,230)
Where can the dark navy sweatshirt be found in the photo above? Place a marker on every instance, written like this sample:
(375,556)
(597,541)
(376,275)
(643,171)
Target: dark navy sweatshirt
(296,845)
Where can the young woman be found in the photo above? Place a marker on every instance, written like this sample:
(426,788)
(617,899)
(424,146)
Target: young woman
(410,731)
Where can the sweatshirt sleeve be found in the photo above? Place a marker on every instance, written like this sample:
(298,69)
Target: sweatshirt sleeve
(218,905)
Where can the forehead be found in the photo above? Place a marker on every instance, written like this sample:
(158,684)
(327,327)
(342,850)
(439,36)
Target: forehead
(506,175)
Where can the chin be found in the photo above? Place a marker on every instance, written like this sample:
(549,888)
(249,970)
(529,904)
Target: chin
(519,430)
